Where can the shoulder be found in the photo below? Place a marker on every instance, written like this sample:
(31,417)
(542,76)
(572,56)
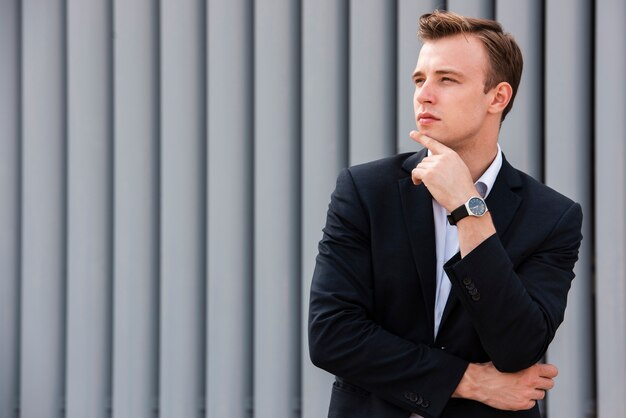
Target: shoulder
(540,193)
(381,172)
(541,201)
(372,182)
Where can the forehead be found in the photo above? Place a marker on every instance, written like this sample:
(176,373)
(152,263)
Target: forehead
(462,53)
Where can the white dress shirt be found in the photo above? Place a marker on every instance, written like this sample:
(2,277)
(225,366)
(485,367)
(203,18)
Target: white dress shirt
(447,239)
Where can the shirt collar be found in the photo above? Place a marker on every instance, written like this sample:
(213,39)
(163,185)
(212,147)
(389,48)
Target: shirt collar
(485,183)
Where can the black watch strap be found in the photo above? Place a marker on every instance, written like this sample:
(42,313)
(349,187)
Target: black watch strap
(458,214)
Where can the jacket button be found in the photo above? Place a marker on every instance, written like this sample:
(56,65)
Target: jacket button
(476,297)
(467,281)
(473,291)
(425,403)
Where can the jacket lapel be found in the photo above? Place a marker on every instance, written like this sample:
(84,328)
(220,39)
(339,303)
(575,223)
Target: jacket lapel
(418,215)
(503,203)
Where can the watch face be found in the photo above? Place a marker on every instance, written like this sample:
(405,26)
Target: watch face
(477,206)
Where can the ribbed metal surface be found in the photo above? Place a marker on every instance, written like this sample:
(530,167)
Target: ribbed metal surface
(277,129)
(568,162)
(165,170)
(372,79)
(609,205)
(89,208)
(324,152)
(10,208)
(136,231)
(43,275)
(230,210)
(182,208)
(521,136)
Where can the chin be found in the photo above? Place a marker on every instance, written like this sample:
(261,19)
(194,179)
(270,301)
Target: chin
(430,132)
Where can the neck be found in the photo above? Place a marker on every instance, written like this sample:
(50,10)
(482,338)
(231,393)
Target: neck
(479,160)
(479,152)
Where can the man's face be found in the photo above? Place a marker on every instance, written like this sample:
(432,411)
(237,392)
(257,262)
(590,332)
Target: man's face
(449,101)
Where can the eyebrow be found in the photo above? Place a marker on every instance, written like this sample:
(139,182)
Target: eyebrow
(444,71)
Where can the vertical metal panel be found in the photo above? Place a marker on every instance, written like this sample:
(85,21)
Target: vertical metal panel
(521,136)
(9,210)
(230,211)
(568,162)
(610,206)
(182,209)
(474,8)
(43,251)
(136,210)
(372,79)
(277,208)
(89,208)
(324,152)
(409,47)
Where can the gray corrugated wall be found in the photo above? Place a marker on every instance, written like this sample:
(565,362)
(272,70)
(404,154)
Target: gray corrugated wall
(165,169)
(568,41)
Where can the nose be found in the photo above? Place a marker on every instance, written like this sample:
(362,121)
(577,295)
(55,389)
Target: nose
(424,93)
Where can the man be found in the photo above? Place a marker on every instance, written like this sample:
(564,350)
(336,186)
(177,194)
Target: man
(442,276)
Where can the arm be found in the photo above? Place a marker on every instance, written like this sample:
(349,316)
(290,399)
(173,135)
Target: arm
(528,299)
(507,391)
(343,337)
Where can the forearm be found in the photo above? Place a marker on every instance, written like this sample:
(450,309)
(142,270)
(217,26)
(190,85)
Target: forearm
(511,324)
(473,231)
(344,342)
(506,391)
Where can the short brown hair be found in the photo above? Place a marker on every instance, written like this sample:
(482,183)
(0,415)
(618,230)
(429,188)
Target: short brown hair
(505,57)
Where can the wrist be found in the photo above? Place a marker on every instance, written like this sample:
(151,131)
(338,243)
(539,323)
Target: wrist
(474,206)
(473,231)
(462,198)
(468,387)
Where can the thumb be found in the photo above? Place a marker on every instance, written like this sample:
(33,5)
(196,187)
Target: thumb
(433,145)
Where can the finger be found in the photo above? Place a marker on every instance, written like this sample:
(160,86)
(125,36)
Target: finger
(539,394)
(434,146)
(416,177)
(548,370)
(530,404)
(545,383)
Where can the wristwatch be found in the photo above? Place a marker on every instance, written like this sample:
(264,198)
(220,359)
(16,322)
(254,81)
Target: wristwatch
(475,206)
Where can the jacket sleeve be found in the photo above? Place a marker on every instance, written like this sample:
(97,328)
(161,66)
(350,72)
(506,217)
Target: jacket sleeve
(517,309)
(343,337)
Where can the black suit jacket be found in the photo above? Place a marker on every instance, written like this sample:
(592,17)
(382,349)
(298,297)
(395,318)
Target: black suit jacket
(373,291)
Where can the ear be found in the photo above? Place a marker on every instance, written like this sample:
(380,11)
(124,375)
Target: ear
(502,94)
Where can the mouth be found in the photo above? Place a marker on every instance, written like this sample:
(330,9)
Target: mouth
(426,118)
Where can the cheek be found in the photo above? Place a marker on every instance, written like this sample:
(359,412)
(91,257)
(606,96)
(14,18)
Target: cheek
(472,107)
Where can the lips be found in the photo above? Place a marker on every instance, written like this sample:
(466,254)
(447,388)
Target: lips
(426,117)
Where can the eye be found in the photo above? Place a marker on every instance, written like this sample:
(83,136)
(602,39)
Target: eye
(448,80)
(418,81)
